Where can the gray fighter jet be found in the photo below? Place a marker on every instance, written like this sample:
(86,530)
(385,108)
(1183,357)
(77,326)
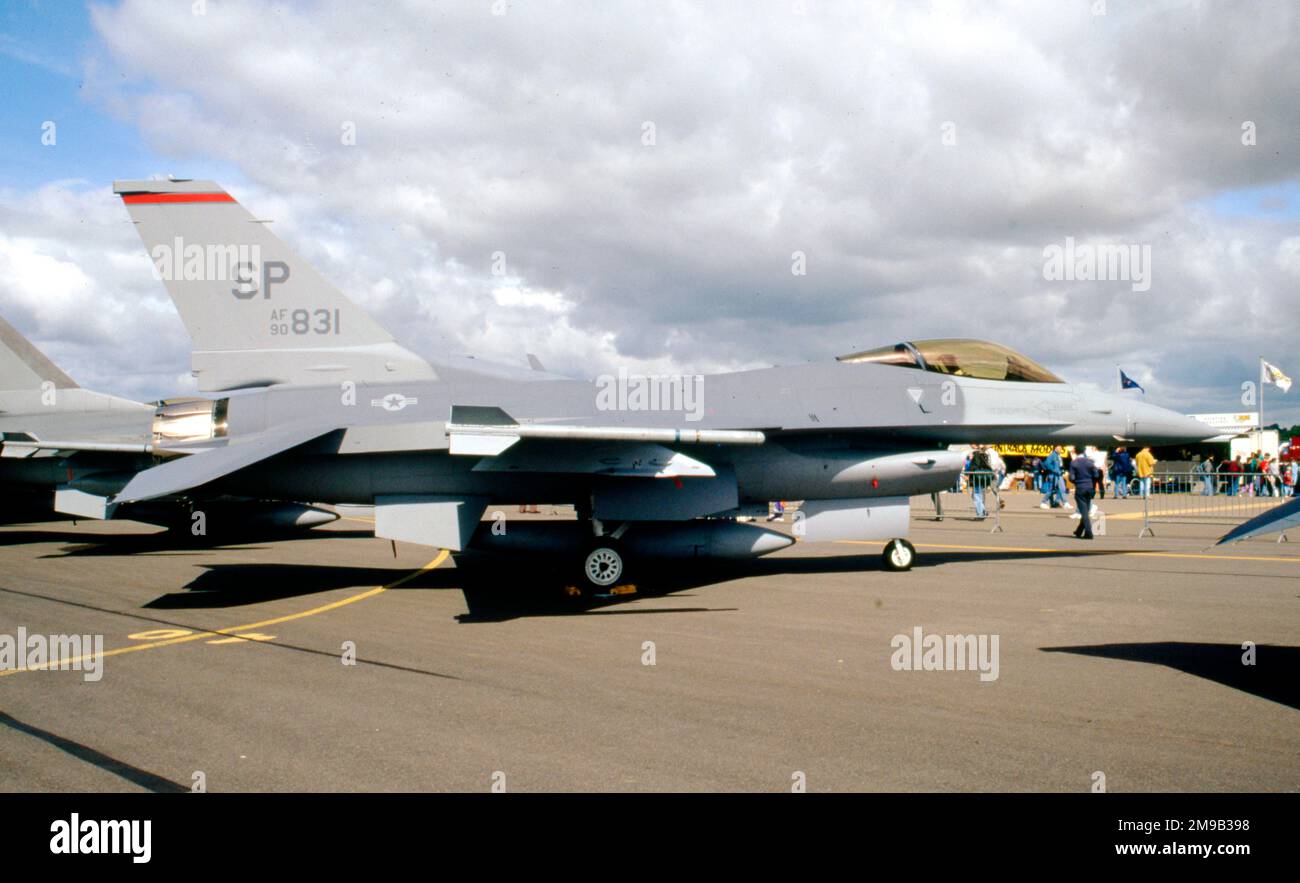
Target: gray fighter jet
(306,397)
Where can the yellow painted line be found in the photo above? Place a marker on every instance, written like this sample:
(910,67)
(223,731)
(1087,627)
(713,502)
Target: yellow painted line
(208,633)
(1295,559)
(950,546)
(1194,513)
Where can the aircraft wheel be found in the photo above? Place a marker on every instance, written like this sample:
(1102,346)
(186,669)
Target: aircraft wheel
(602,566)
(899,555)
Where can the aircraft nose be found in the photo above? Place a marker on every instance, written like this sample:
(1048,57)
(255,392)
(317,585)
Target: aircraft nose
(1156,425)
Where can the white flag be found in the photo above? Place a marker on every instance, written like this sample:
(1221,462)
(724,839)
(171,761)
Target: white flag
(1273,374)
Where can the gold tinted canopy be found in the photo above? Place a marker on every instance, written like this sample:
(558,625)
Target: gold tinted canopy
(959,358)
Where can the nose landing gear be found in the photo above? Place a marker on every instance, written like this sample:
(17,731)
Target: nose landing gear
(899,554)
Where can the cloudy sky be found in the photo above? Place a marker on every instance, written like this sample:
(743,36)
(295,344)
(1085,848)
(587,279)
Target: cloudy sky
(650,171)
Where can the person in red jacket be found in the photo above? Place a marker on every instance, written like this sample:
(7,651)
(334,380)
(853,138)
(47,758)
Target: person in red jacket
(1234,475)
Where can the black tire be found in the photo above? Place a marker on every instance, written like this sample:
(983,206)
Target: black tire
(899,555)
(602,566)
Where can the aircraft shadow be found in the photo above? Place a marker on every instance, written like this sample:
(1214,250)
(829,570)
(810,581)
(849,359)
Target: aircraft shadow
(501,589)
(1275,675)
(80,544)
(498,590)
(238,585)
(32,536)
(494,589)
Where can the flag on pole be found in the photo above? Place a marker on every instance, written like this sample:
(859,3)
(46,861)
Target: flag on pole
(1126,382)
(1273,374)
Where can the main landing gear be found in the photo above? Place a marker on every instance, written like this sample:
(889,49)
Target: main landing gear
(602,566)
(899,554)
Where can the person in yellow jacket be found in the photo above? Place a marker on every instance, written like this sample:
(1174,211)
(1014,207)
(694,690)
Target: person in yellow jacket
(1146,467)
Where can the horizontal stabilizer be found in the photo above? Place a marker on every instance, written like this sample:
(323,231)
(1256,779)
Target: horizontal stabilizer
(82,504)
(198,469)
(1273,521)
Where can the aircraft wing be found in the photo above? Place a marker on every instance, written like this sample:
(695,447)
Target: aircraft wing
(1273,521)
(199,469)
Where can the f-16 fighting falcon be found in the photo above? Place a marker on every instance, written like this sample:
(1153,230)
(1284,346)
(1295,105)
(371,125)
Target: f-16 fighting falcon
(307,399)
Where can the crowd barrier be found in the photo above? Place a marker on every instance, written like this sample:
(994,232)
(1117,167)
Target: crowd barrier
(959,501)
(1208,498)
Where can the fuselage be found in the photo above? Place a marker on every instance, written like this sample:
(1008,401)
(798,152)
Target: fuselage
(833,429)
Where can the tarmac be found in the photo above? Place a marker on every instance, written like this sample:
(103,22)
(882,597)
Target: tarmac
(1119,661)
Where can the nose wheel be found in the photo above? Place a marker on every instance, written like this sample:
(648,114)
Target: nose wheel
(899,554)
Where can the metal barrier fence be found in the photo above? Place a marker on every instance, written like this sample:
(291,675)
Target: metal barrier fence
(1206,498)
(989,485)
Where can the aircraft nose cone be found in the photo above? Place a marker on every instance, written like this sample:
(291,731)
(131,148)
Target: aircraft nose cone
(1162,426)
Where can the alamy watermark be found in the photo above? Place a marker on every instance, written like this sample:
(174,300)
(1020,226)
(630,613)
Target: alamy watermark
(1084,262)
(24,652)
(78,836)
(921,652)
(626,391)
(191,262)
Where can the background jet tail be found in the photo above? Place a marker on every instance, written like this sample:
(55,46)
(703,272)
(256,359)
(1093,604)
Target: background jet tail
(31,384)
(23,366)
(257,313)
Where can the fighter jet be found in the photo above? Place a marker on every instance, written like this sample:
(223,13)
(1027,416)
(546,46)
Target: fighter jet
(306,397)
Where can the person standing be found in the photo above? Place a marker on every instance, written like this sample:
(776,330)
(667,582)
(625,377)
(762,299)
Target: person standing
(1146,468)
(1030,469)
(1123,472)
(977,476)
(1063,490)
(999,467)
(1234,475)
(1206,470)
(1051,480)
(1085,476)
(1273,475)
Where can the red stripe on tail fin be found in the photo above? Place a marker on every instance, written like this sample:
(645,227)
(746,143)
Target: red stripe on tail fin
(177,197)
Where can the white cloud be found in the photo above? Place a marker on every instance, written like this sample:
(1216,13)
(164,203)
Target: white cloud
(774,132)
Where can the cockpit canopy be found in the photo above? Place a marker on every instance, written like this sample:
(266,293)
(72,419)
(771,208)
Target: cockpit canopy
(960,358)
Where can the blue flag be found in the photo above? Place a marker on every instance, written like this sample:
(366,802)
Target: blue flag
(1126,382)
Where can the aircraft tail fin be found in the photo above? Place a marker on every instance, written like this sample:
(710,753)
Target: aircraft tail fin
(31,384)
(24,367)
(258,314)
